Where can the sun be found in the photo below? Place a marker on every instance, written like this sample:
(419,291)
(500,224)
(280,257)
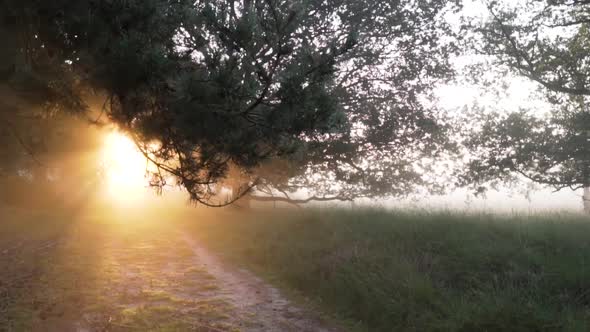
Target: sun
(124,167)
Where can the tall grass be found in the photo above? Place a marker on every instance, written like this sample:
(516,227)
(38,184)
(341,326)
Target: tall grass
(402,271)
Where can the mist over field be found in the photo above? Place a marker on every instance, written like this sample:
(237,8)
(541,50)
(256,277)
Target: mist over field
(294,165)
(506,201)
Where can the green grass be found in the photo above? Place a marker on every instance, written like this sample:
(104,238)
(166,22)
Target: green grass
(402,271)
(372,270)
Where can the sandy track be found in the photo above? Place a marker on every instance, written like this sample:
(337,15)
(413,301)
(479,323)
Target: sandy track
(259,306)
(161,279)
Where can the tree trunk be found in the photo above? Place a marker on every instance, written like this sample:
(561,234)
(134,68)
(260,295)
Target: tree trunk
(586,199)
(586,174)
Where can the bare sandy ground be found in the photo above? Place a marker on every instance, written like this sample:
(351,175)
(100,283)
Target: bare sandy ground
(167,281)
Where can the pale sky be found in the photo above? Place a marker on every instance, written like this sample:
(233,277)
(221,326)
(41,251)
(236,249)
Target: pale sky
(520,93)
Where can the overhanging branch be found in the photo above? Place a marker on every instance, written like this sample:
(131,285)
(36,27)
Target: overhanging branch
(300,201)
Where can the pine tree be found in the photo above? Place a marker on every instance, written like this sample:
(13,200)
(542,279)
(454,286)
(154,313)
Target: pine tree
(339,89)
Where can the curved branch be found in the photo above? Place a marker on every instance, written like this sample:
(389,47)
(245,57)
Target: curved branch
(22,143)
(228,202)
(300,201)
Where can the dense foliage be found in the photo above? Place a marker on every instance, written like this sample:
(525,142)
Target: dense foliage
(338,89)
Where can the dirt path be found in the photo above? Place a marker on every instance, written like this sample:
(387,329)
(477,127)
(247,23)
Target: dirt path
(259,306)
(158,279)
(101,275)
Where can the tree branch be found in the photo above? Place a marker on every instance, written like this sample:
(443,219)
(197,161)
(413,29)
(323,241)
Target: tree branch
(300,201)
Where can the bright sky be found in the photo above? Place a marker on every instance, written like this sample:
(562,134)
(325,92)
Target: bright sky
(520,93)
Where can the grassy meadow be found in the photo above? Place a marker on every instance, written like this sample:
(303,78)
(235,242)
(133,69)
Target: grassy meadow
(367,270)
(403,271)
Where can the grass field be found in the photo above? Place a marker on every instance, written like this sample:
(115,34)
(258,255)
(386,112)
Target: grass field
(371,270)
(402,271)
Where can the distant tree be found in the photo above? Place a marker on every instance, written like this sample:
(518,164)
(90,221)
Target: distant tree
(548,43)
(339,89)
(48,159)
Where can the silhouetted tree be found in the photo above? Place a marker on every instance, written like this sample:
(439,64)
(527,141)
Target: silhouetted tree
(549,43)
(338,89)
